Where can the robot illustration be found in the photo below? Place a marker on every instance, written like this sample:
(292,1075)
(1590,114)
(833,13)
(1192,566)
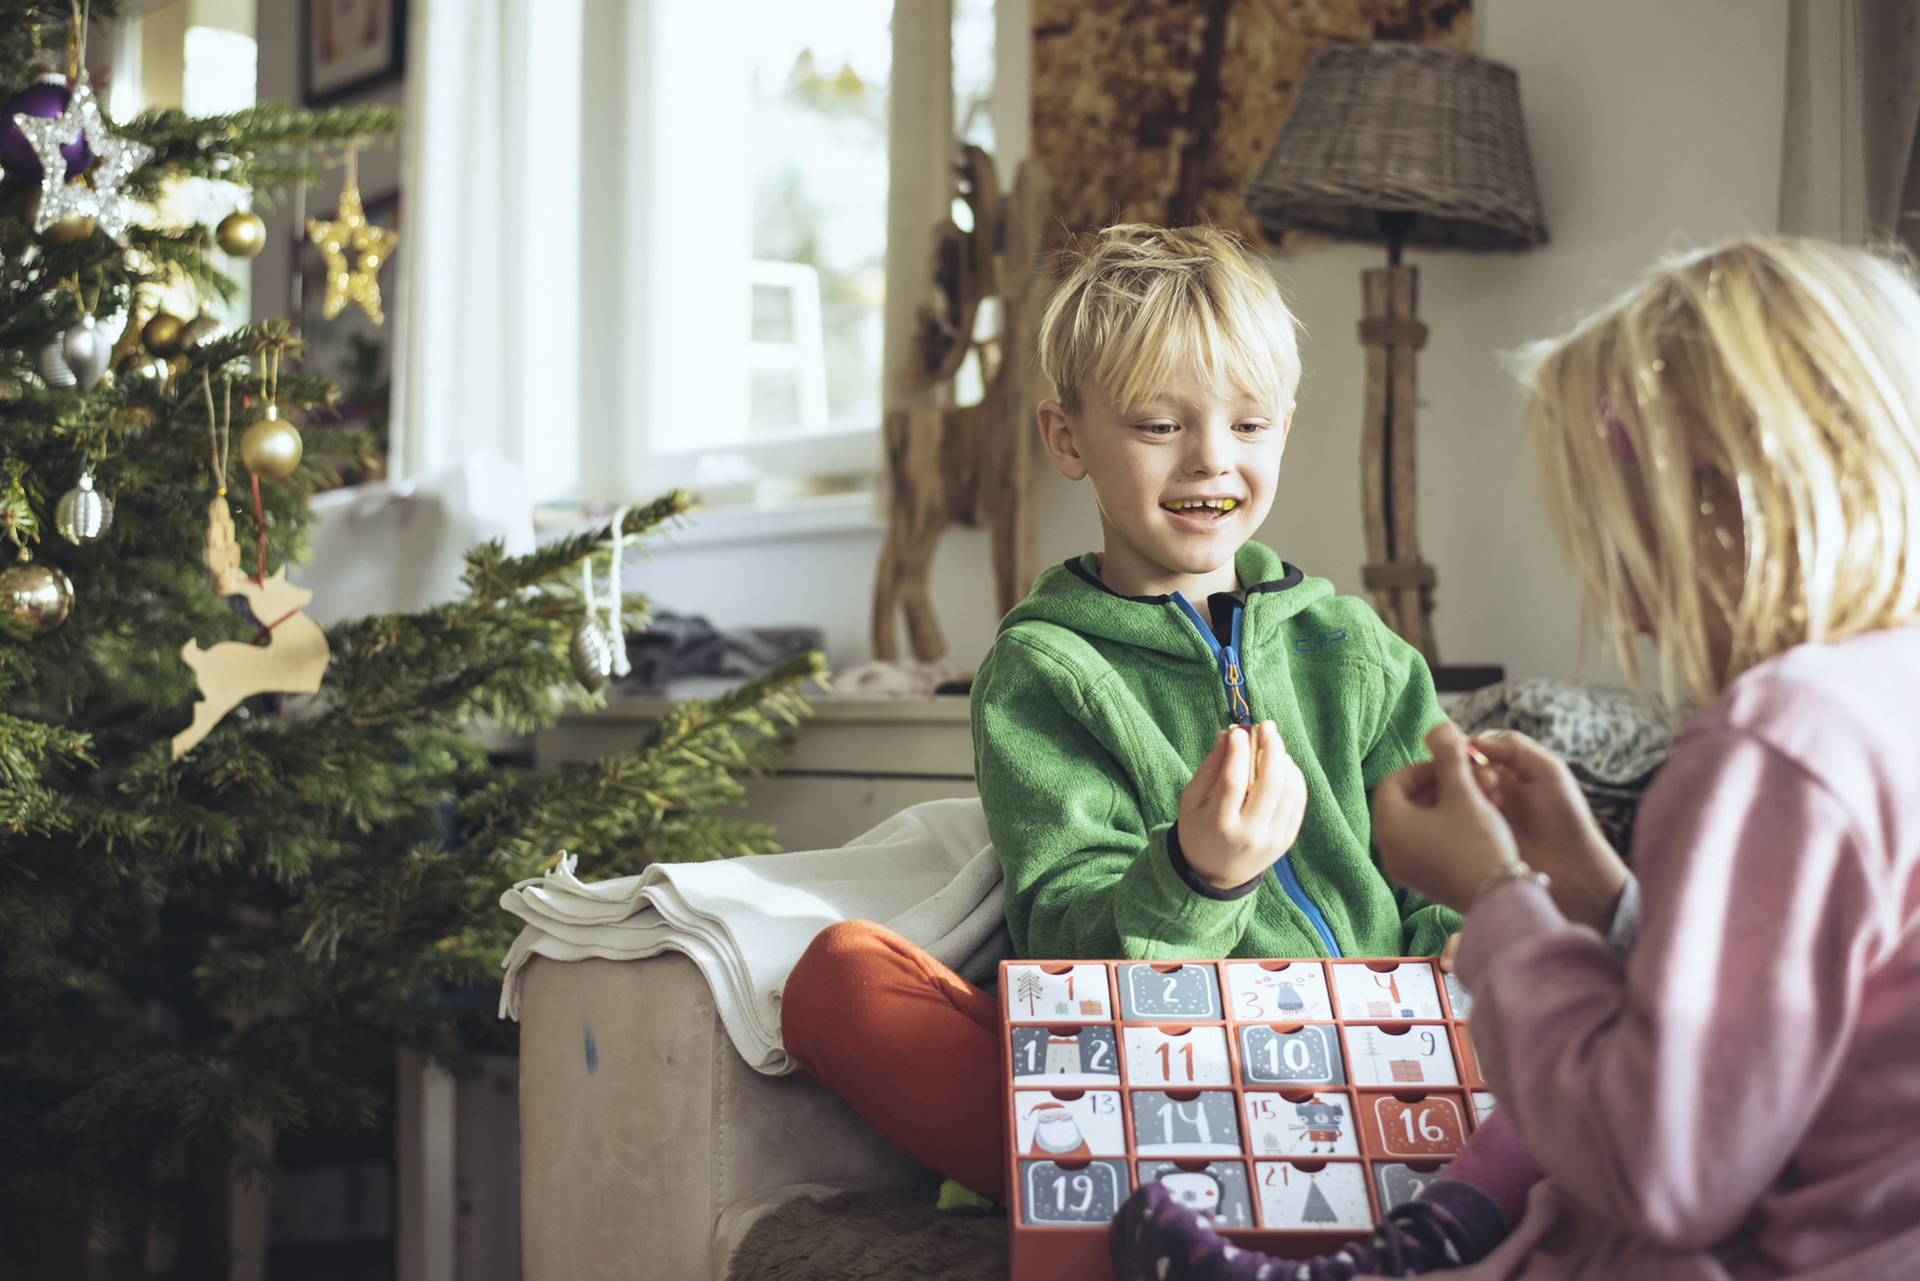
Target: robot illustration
(1197,1190)
(1320,1122)
(1056,1133)
(1284,997)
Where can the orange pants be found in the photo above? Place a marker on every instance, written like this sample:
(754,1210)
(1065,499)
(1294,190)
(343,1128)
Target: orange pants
(912,1046)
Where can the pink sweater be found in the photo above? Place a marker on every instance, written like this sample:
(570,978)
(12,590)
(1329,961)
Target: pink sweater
(1739,1096)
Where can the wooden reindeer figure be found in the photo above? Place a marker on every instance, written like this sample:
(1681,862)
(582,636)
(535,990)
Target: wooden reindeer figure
(291,662)
(969,465)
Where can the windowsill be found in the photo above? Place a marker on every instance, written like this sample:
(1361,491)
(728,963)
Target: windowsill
(828,706)
(831,516)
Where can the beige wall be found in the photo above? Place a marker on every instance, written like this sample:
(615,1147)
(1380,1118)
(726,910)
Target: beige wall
(1652,126)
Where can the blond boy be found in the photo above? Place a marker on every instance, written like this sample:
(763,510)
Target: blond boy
(1175,737)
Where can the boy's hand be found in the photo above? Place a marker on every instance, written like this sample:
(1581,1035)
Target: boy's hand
(1554,828)
(1243,807)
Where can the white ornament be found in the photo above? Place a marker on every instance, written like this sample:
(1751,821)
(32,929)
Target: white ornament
(600,647)
(53,364)
(87,351)
(83,515)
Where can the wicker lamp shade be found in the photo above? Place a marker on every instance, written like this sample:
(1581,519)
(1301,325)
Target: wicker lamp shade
(1430,137)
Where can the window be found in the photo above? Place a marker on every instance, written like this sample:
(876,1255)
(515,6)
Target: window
(763,221)
(201,57)
(819,165)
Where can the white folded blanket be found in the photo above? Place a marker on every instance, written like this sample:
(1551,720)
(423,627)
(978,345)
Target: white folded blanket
(929,874)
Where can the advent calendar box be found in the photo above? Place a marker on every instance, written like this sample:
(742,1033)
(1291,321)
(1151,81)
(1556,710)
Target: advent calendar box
(1291,1101)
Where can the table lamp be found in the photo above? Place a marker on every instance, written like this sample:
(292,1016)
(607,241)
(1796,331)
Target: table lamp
(1399,144)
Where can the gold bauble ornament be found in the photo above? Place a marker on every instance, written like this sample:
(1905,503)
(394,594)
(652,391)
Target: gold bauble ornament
(164,335)
(34,599)
(68,228)
(271,447)
(242,233)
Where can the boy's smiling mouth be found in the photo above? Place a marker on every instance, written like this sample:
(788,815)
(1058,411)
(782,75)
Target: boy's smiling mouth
(1199,512)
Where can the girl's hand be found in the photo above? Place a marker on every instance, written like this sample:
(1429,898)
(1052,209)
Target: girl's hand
(1243,807)
(1438,833)
(1554,829)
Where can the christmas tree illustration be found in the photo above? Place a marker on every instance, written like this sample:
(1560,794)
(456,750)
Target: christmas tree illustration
(1317,1208)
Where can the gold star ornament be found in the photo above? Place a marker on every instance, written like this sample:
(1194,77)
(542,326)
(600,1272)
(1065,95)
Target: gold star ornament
(354,250)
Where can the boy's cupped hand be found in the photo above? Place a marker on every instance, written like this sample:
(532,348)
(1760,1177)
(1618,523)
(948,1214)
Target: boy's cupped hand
(1243,807)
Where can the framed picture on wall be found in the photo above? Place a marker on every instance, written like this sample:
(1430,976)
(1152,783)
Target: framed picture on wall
(350,46)
(349,350)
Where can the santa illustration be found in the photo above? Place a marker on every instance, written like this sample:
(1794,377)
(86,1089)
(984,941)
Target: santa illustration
(1055,1132)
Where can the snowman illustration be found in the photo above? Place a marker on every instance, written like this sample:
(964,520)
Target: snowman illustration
(1197,1190)
(1320,1122)
(1055,1132)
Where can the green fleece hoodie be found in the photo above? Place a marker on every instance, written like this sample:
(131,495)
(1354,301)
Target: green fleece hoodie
(1092,711)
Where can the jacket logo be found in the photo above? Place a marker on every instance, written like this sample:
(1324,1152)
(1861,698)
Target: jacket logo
(1311,645)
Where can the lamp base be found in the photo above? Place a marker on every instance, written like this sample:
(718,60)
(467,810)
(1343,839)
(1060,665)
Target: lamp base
(1464,678)
(1399,579)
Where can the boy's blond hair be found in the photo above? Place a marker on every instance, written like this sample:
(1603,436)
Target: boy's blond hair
(1779,376)
(1141,301)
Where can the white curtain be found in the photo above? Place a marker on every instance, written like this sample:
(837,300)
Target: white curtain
(488,316)
(579,215)
(1853,117)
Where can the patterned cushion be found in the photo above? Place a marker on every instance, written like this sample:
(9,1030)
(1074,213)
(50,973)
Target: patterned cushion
(1611,740)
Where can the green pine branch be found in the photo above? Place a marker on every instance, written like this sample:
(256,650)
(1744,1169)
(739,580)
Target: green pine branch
(196,948)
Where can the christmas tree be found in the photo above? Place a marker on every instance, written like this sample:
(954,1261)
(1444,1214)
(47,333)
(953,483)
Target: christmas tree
(206,942)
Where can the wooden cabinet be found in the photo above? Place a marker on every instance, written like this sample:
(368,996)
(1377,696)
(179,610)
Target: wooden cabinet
(855,761)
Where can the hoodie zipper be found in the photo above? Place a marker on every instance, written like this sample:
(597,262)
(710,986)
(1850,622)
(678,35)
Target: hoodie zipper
(1233,680)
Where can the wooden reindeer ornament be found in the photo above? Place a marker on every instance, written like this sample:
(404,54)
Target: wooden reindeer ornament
(291,662)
